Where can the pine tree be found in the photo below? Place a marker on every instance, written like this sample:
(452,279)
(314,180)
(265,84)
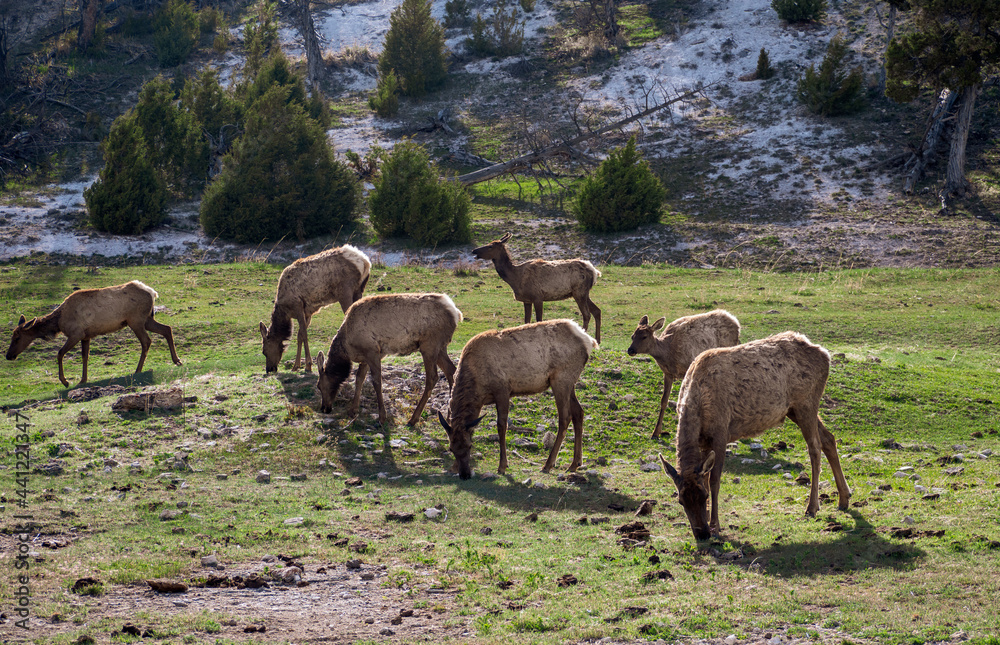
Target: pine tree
(129,195)
(622,195)
(414,49)
(831,91)
(173,136)
(955,44)
(764,69)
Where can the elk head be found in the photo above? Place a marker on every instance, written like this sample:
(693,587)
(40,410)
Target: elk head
(493,250)
(643,336)
(272,349)
(460,444)
(332,374)
(693,492)
(20,340)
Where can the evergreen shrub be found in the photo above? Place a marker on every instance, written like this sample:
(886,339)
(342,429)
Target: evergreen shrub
(800,10)
(410,199)
(129,194)
(175,32)
(764,69)
(621,195)
(385,101)
(414,49)
(831,91)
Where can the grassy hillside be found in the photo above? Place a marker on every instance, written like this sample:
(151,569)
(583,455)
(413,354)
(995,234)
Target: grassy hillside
(914,383)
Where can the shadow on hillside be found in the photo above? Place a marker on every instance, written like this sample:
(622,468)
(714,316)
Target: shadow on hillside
(858,549)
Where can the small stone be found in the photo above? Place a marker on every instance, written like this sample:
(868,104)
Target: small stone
(269,558)
(353,564)
(169,515)
(263,477)
(432,513)
(731,639)
(549,439)
(354,481)
(292,521)
(291,575)
(385,631)
(209,561)
(222,476)
(367,575)
(299,477)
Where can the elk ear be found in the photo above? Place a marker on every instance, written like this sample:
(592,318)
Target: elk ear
(476,422)
(320,361)
(659,323)
(263,331)
(644,320)
(667,468)
(20,320)
(444,424)
(506,237)
(709,463)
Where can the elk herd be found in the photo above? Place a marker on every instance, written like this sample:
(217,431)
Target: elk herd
(729,391)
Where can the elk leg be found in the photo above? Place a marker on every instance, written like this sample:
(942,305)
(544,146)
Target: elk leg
(596,311)
(576,414)
(581,302)
(68,345)
(304,340)
(503,410)
(375,365)
(668,383)
(715,481)
(808,423)
(430,378)
(830,450)
(165,331)
(85,353)
(359,380)
(444,362)
(538,311)
(527,313)
(145,341)
(303,322)
(562,396)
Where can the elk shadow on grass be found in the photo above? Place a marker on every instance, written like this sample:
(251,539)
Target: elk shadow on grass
(857,549)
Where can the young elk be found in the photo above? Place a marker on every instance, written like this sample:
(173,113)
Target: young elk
(306,286)
(89,313)
(680,343)
(739,392)
(529,359)
(538,281)
(381,325)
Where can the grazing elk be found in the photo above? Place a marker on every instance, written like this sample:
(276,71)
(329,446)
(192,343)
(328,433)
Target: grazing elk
(680,343)
(538,281)
(88,313)
(529,359)
(385,324)
(739,392)
(306,286)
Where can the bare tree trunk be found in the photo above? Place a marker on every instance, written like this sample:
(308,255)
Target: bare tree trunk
(955,182)
(90,12)
(890,30)
(922,157)
(314,57)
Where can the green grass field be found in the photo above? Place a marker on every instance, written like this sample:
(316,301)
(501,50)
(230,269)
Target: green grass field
(915,559)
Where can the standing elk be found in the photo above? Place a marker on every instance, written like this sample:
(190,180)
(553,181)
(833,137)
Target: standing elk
(498,364)
(680,343)
(739,392)
(538,281)
(306,286)
(380,325)
(88,313)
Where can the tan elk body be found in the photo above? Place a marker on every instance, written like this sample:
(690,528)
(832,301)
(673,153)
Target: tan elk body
(383,325)
(306,286)
(680,343)
(498,364)
(88,313)
(538,281)
(739,392)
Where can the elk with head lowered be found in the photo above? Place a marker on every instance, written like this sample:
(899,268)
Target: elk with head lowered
(383,325)
(733,393)
(306,286)
(680,343)
(529,359)
(538,281)
(88,313)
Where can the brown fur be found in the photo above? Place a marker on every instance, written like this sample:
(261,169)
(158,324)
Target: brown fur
(496,365)
(739,392)
(680,343)
(377,326)
(306,286)
(538,281)
(89,313)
